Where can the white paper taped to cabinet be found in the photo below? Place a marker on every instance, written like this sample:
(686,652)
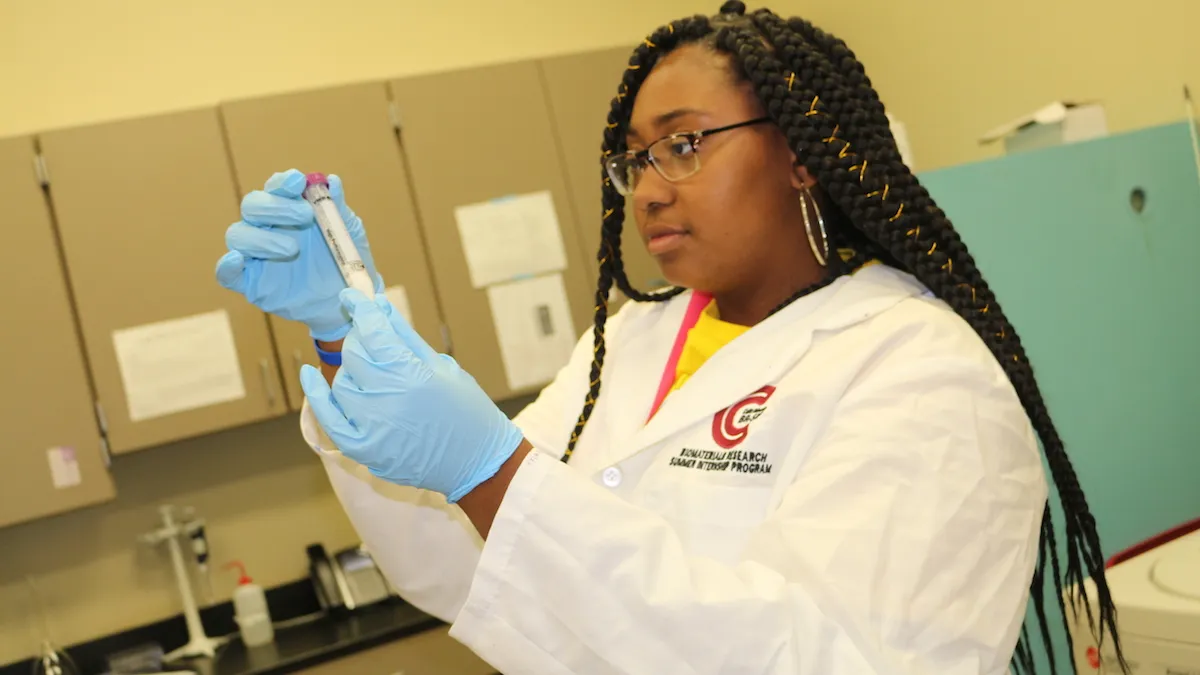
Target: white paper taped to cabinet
(178,365)
(532,318)
(511,238)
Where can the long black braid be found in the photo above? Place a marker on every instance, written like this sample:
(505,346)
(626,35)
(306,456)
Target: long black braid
(819,95)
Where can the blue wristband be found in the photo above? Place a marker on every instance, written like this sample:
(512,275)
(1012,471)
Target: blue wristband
(328,358)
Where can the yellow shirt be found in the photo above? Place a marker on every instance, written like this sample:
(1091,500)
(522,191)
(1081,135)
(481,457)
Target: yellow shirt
(703,340)
(711,333)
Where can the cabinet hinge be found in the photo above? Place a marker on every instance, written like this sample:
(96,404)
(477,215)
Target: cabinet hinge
(102,421)
(39,167)
(105,452)
(394,115)
(101,418)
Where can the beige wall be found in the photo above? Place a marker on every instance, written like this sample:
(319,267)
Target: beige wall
(949,69)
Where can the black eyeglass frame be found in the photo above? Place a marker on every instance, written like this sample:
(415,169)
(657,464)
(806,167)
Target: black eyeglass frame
(643,157)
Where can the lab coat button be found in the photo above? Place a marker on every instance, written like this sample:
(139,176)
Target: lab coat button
(612,477)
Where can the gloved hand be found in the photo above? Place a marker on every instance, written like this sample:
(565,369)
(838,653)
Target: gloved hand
(410,415)
(278,259)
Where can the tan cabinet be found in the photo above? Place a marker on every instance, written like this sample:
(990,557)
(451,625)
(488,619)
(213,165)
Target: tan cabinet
(345,131)
(141,207)
(51,459)
(432,652)
(472,137)
(580,88)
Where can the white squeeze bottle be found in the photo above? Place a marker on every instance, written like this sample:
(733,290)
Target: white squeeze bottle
(250,610)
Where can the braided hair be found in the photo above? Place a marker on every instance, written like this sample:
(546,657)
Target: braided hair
(815,90)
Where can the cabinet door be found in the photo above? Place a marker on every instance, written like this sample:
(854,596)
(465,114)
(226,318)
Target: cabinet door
(432,652)
(51,458)
(473,137)
(142,206)
(345,131)
(580,88)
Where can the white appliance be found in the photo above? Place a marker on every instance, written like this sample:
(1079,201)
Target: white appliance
(1156,589)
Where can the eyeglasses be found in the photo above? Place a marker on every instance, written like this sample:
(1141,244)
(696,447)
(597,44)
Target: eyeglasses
(674,157)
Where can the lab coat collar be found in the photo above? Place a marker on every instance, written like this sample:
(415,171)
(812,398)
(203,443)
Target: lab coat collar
(758,357)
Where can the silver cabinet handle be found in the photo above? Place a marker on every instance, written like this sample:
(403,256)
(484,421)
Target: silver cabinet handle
(265,369)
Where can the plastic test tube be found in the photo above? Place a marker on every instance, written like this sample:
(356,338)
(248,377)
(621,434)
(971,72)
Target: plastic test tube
(345,254)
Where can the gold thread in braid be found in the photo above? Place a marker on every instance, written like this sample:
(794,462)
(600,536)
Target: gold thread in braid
(791,80)
(590,401)
(833,137)
(649,44)
(603,299)
(608,253)
(949,266)
(898,212)
(931,249)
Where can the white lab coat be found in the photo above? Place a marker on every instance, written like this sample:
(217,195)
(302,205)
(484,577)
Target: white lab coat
(879,514)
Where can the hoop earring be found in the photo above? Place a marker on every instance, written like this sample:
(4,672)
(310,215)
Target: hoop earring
(821,253)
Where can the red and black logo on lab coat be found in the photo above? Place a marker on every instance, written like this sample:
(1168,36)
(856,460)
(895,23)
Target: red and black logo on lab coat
(731,426)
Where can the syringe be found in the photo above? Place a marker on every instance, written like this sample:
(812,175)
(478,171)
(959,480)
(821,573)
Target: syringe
(345,254)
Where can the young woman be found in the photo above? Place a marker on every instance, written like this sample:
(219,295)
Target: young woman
(817,453)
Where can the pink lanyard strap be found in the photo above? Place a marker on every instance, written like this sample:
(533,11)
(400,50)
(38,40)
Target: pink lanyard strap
(690,317)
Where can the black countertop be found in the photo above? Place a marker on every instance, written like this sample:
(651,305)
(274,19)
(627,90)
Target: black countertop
(304,636)
(324,639)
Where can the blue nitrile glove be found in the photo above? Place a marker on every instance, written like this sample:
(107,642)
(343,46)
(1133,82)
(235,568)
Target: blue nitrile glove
(412,416)
(278,259)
